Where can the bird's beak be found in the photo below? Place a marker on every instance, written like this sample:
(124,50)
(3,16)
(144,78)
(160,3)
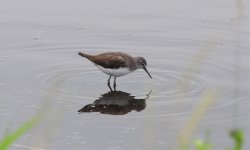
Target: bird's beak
(146,71)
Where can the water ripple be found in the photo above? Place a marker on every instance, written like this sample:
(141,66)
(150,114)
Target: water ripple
(81,80)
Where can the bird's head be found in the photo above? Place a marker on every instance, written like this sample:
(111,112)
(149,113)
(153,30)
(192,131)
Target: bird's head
(141,63)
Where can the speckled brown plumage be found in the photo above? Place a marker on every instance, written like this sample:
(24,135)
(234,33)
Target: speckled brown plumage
(112,60)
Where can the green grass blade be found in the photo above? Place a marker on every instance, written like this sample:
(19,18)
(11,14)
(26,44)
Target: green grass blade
(8,140)
(238,137)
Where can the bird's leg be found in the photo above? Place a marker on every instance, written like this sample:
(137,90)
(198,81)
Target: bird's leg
(115,83)
(109,80)
(109,83)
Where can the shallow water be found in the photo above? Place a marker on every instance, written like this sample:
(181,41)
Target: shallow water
(194,50)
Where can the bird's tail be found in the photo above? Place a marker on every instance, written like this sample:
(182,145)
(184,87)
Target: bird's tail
(84,55)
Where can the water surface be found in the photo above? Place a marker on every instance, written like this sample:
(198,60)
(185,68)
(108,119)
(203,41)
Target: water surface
(192,48)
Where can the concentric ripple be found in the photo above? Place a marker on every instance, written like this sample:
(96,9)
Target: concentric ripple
(79,80)
(80,77)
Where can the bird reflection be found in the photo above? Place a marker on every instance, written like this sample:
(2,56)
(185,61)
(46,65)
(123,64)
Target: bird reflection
(116,103)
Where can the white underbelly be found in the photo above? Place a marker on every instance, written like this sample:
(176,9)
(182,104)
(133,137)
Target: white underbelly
(114,72)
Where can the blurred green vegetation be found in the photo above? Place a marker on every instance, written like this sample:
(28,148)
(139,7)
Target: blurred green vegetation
(202,145)
(34,121)
(237,136)
(9,139)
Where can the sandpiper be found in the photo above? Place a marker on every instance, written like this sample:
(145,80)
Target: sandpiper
(116,64)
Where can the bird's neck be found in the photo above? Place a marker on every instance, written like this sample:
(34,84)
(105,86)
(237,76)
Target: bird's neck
(135,64)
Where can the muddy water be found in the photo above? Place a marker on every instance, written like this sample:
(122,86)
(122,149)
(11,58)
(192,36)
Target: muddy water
(194,51)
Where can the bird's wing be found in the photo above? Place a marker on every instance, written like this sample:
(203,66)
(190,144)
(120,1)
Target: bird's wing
(110,61)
